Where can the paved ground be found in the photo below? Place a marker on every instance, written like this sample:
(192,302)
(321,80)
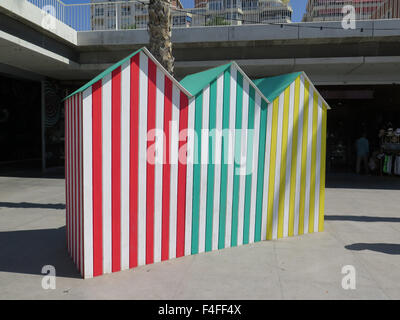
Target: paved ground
(362,229)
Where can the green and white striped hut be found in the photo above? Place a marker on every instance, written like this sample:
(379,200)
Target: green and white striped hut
(263,177)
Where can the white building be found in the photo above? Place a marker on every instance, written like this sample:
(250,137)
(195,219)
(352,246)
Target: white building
(237,12)
(331,10)
(112,14)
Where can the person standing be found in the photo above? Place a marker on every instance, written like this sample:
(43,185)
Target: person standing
(362,149)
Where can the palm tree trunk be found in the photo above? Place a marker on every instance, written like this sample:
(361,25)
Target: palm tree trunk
(160,33)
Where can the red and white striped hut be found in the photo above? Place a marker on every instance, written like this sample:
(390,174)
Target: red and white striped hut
(114,211)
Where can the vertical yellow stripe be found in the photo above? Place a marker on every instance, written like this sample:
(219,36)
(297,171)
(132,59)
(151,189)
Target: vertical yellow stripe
(271,188)
(304,157)
(294,156)
(322,178)
(282,182)
(313,162)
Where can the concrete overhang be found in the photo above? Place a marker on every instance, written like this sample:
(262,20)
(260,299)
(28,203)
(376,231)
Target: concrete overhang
(325,51)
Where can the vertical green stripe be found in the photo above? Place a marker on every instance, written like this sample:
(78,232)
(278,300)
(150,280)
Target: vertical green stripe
(224,158)
(210,167)
(196,174)
(260,172)
(249,164)
(236,177)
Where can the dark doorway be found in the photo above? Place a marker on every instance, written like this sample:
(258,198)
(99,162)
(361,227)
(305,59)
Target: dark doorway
(358,109)
(20,124)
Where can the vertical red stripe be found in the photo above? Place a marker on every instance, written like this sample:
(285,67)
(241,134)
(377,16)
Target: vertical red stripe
(75,182)
(81,182)
(71,158)
(116,169)
(133,165)
(151,124)
(181,203)
(97,180)
(70,175)
(70,178)
(166,170)
(78,173)
(66,170)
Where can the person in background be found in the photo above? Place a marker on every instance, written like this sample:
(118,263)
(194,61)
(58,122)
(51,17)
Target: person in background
(362,149)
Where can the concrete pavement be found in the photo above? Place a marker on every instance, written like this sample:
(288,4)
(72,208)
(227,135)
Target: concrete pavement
(362,229)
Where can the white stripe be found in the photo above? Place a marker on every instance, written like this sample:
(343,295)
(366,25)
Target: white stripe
(257,115)
(189,177)
(204,164)
(125,148)
(278,162)
(158,172)
(106,173)
(309,156)
(318,166)
(174,171)
(243,161)
(299,160)
(217,165)
(267,160)
(231,154)
(87,183)
(289,161)
(142,149)
(81,180)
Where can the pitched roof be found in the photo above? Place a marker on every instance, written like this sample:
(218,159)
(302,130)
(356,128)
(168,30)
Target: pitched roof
(272,87)
(121,62)
(196,82)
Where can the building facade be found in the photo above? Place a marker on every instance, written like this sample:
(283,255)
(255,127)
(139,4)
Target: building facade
(112,14)
(237,12)
(331,10)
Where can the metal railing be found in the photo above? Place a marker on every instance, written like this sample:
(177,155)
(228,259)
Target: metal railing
(133,14)
(119,15)
(332,10)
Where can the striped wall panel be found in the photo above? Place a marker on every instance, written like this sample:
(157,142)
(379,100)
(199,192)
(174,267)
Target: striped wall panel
(153,173)
(74,178)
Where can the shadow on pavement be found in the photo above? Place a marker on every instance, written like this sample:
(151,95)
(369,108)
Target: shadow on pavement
(27,251)
(388,248)
(31,172)
(354,181)
(361,218)
(29,205)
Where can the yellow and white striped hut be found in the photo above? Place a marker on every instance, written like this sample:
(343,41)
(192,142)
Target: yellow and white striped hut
(294,196)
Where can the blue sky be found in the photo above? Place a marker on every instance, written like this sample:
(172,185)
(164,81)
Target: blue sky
(298,6)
